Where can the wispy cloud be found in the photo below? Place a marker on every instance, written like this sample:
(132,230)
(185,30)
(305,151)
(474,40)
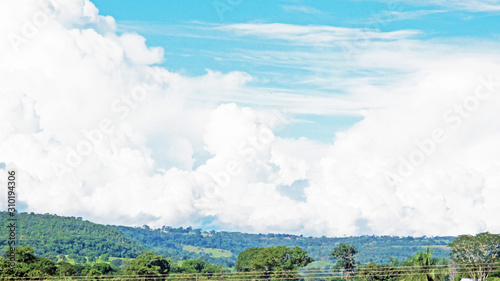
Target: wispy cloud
(306,67)
(313,35)
(300,9)
(406,15)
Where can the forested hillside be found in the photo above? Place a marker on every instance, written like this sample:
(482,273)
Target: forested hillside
(377,249)
(52,235)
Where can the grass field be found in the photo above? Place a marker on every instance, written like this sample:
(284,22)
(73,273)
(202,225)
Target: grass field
(321,265)
(216,253)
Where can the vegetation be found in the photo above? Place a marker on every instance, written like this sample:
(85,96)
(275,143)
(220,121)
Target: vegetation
(64,246)
(53,236)
(223,247)
(477,255)
(344,254)
(273,261)
(379,272)
(423,267)
(78,241)
(149,265)
(29,265)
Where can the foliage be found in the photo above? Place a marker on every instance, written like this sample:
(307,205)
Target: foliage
(149,264)
(53,236)
(277,259)
(378,272)
(477,255)
(103,268)
(197,266)
(83,241)
(423,267)
(27,264)
(65,269)
(215,247)
(345,256)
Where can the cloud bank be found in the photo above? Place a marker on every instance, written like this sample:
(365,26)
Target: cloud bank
(97,129)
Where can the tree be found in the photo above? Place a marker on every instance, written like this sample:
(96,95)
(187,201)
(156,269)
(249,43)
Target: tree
(94,273)
(105,257)
(45,265)
(379,272)
(80,259)
(247,260)
(345,256)
(23,254)
(198,266)
(477,255)
(281,259)
(104,268)
(423,267)
(149,264)
(64,268)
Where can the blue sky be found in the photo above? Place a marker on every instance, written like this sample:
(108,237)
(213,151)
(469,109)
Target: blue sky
(190,33)
(302,117)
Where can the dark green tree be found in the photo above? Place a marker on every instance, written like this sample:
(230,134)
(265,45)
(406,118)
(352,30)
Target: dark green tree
(149,265)
(345,257)
(198,266)
(93,272)
(65,269)
(104,268)
(279,262)
(46,266)
(248,261)
(23,254)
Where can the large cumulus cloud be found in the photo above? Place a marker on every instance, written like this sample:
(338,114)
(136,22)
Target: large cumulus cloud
(97,129)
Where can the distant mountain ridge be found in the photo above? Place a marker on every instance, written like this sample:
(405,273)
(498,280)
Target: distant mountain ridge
(52,236)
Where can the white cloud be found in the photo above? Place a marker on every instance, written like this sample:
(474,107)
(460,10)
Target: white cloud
(301,9)
(91,131)
(137,51)
(312,35)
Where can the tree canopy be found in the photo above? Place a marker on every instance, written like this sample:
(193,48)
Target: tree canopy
(423,267)
(345,257)
(273,259)
(477,255)
(149,264)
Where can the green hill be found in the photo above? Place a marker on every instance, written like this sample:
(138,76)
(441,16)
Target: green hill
(378,249)
(52,235)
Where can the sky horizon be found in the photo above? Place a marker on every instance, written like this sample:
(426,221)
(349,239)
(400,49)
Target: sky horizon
(303,117)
